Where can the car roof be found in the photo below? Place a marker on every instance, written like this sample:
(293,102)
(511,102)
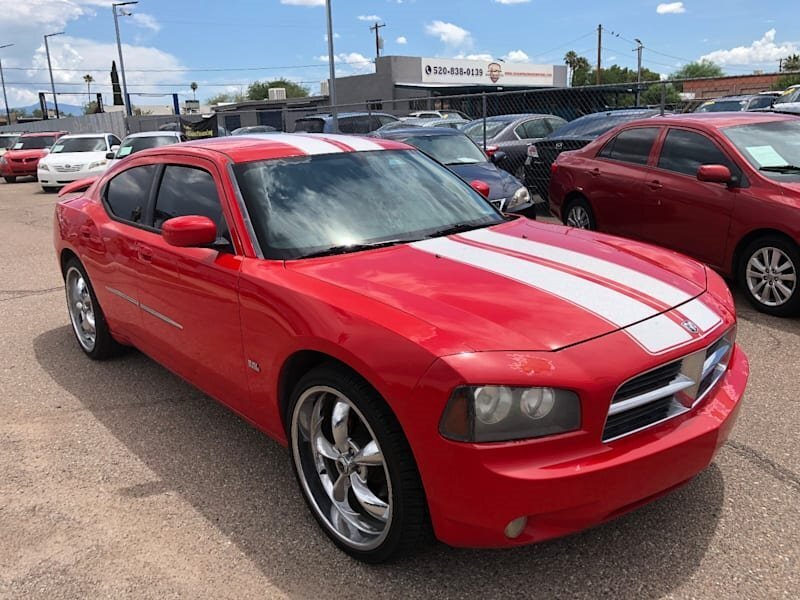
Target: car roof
(515,117)
(143,134)
(88,135)
(263,146)
(344,115)
(43,133)
(718,119)
(421,131)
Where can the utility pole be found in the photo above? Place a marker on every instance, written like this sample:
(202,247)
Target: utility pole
(331,70)
(3,81)
(599,51)
(376,28)
(50,68)
(125,98)
(639,48)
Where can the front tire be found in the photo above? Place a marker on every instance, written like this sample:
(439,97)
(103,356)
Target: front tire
(354,466)
(87,319)
(768,274)
(579,214)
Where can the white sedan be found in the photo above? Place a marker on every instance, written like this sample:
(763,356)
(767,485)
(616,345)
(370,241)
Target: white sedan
(75,157)
(144,140)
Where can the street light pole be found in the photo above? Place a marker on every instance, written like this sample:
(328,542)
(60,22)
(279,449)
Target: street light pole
(332,70)
(3,81)
(125,98)
(639,48)
(50,68)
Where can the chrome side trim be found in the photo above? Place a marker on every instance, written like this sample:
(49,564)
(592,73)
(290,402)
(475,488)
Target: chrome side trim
(161,316)
(123,295)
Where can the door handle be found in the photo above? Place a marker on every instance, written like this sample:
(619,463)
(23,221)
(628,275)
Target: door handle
(654,185)
(145,254)
(595,172)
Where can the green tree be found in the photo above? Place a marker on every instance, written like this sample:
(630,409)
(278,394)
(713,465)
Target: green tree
(791,63)
(580,67)
(697,70)
(115,87)
(259,90)
(785,81)
(88,79)
(225,97)
(90,108)
(193,87)
(652,95)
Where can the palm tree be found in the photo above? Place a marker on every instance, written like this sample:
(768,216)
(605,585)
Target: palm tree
(88,79)
(193,85)
(791,63)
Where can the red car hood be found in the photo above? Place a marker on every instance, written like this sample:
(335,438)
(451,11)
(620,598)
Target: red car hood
(524,285)
(23,154)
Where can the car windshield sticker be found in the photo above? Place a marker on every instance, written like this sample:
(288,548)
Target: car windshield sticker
(766,156)
(18,146)
(57,148)
(124,151)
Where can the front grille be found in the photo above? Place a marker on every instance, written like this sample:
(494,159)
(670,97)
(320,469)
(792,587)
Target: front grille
(67,168)
(667,391)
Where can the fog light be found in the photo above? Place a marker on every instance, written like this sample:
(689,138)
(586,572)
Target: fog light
(516,527)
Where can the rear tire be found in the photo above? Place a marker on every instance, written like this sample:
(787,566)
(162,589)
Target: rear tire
(768,275)
(579,214)
(10,179)
(354,466)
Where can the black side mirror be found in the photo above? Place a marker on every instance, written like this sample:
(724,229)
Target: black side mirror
(499,157)
(110,155)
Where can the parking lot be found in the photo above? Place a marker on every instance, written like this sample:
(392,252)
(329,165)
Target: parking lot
(120,480)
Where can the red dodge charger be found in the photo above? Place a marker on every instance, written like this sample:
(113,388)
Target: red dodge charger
(431,363)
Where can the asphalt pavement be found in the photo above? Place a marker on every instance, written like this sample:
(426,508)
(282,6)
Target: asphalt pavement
(119,480)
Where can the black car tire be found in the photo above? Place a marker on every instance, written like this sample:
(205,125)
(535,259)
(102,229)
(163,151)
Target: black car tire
(758,280)
(49,189)
(396,479)
(578,213)
(10,179)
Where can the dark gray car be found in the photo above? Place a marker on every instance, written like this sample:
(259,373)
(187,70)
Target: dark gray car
(513,134)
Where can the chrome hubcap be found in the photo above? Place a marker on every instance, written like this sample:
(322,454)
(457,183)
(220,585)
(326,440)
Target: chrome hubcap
(578,217)
(341,467)
(771,276)
(81,309)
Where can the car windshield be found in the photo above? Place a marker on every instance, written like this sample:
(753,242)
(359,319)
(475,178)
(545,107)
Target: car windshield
(34,143)
(772,148)
(592,126)
(448,149)
(83,144)
(790,95)
(336,203)
(722,106)
(7,142)
(475,129)
(309,125)
(133,145)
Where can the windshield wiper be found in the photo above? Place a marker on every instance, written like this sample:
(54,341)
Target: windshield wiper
(347,248)
(781,169)
(457,228)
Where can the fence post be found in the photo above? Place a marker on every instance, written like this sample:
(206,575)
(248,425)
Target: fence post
(663,97)
(483,98)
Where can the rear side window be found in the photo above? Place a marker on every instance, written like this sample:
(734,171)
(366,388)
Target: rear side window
(187,191)
(685,151)
(764,101)
(309,125)
(631,145)
(535,128)
(359,124)
(128,192)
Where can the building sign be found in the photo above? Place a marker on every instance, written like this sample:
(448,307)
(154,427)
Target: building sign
(477,72)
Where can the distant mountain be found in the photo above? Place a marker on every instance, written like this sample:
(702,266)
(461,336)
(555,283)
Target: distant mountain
(72,109)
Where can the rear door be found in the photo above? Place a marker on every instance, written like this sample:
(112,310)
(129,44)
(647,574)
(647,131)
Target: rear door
(683,213)
(614,180)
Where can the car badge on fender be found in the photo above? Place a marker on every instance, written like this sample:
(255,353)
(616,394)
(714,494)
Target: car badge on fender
(690,326)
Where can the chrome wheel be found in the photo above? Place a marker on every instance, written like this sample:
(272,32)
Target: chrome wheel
(81,309)
(579,217)
(771,276)
(341,467)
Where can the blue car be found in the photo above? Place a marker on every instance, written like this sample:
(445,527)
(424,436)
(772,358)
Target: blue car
(462,156)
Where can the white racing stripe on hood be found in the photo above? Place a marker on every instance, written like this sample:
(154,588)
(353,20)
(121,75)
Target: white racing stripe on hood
(700,314)
(356,143)
(306,144)
(660,291)
(611,305)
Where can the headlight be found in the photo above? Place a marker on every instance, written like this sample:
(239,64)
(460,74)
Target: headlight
(43,167)
(496,413)
(97,163)
(520,197)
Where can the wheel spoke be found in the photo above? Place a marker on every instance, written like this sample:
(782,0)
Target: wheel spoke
(369,456)
(371,503)
(782,292)
(340,425)
(340,488)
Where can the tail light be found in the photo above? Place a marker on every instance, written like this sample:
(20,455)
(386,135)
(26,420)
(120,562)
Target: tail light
(533,151)
(553,169)
(490,150)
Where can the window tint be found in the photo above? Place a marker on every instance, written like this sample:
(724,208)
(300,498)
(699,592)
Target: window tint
(186,191)
(764,101)
(127,193)
(595,125)
(359,124)
(555,122)
(685,151)
(114,140)
(535,128)
(309,125)
(632,145)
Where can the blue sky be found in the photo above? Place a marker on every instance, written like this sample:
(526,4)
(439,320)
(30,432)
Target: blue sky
(169,43)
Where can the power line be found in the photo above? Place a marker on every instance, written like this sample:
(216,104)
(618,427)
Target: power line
(192,69)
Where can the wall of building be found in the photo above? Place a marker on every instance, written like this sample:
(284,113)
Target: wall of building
(731,86)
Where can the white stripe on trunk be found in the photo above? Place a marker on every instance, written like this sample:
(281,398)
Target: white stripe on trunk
(657,289)
(306,144)
(359,144)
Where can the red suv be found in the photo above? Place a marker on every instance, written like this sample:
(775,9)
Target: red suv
(23,158)
(723,188)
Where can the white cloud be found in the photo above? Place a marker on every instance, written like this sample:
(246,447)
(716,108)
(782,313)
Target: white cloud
(336,36)
(512,1)
(304,2)
(482,56)
(765,50)
(517,56)
(146,21)
(401,40)
(670,8)
(354,61)
(50,13)
(369,18)
(449,33)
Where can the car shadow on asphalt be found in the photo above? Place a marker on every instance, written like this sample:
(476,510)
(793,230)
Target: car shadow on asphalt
(241,482)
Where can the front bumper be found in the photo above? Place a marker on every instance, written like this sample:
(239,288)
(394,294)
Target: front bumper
(567,483)
(17,169)
(53,178)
